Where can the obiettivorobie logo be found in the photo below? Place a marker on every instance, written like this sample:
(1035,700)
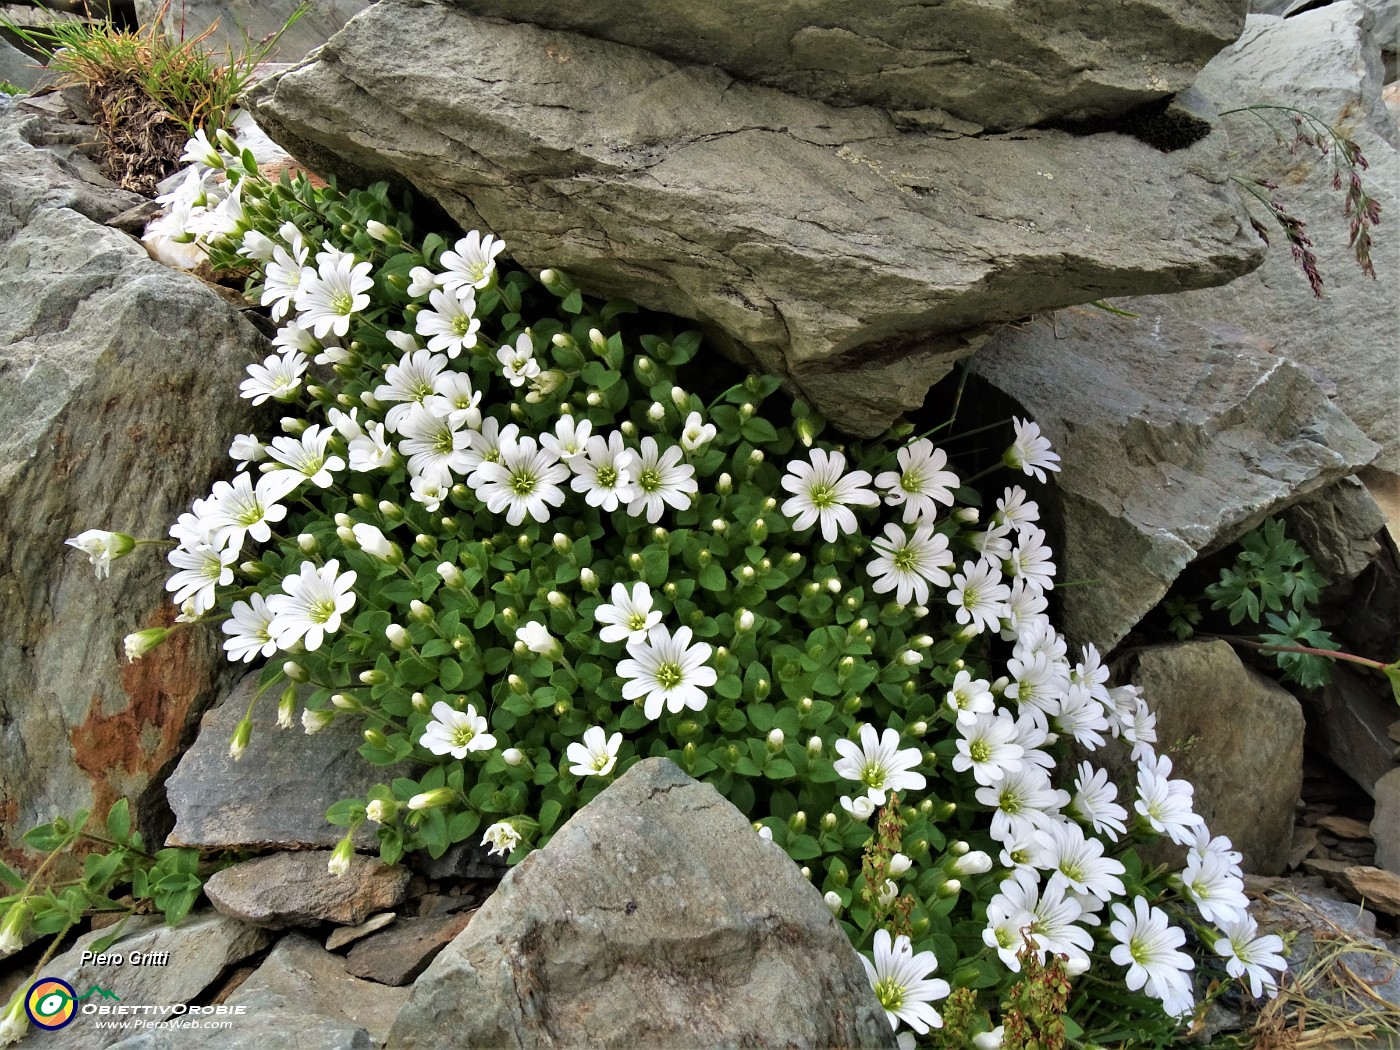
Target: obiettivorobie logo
(51,1003)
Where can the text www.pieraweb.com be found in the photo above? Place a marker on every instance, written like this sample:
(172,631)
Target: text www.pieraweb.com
(176,1016)
(168,1024)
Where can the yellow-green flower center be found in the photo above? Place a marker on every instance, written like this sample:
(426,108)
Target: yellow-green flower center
(650,479)
(669,675)
(890,993)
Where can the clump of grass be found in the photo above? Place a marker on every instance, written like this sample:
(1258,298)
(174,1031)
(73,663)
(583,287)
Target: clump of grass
(6,88)
(149,91)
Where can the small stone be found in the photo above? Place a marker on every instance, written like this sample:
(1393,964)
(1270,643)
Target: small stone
(1304,843)
(344,935)
(399,954)
(295,889)
(1378,888)
(1344,827)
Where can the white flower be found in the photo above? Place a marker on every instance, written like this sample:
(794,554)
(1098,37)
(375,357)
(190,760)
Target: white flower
(242,508)
(309,455)
(456,733)
(860,808)
(102,548)
(979,596)
(1009,916)
(278,377)
(248,628)
(570,437)
(525,481)
(920,483)
(311,605)
(428,491)
(1249,955)
(1030,452)
(488,441)
(986,747)
(901,982)
(537,639)
(1215,887)
(451,325)
(667,671)
(246,449)
(1219,846)
(471,261)
(372,540)
(661,479)
(1166,803)
(970,697)
(258,246)
(1037,682)
(282,278)
(371,451)
(879,764)
(1082,717)
(1022,802)
(501,837)
(1078,861)
(975,862)
(1095,802)
(696,433)
(344,852)
(989,1040)
(435,448)
(337,290)
(1015,510)
(201,153)
(422,281)
(139,643)
(454,398)
(596,756)
(412,381)
(822,491)
(908,565)
(201,570)
(314,721)
(606,472)
(1030,559)
(1147,946)
(630,617)
(519,365)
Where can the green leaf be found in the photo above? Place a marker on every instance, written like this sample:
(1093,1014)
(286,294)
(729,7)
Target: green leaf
(549,815)
(10,877)
(712,577)
(449,674)
(119,822)
(655,565)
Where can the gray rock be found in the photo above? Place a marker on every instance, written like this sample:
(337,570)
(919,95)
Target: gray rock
(1338,526)
(999,65)
(1175,438)
(178,963)
(299,997)
(1323,61)
(295,889)
(1385,825)
(399,954)
(343,935)
(1351,717)
(255,22)
(463,860)
(819,243)
(277,794)
(18,68)
(654,917)
(1236,736)
(102,354)
(1346,979)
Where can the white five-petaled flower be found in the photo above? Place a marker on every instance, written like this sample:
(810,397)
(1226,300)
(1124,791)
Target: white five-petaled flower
(308,455)
(456,733)
(249,630)
(244,508)
(518,364)
(907,565)
(696,433)
(411,381)
(1249,955)
(201,153)
(1030,452)
(1030,559)
(471,261)
(606,472)
(451,325)
(1015,510)
(102,548)
(979,596)
(535,637)
(1147,947)
(278,377)
(570,437)
(901,982)
(1214,886)
(201,570)
(501,837)
(661,479)
(823,493)
(333,293)
(435,447)
(878,763)
(596,756)
(282,278)
(1095,802)
(372,450)
(987,747)
(1166,803)
(525,481)
(630,617)
(920,483)
(668,671)
(860,808)
(311,605)
(1077,860)
(970,697)
(455,398)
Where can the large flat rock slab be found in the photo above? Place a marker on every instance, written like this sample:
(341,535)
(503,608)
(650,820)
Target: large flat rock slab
(820,243)
(999,64)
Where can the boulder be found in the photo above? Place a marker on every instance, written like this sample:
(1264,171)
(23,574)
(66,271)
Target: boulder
(299,997)
(399,954)
(1385,825)
(240,24)
(18,68)
(995,64)
(296,889)
(822,244)
(1339,527)
(160,965)
(1175,436)
(118,396)
(277,794)
(1349,719)
(1236,736)
(654,917)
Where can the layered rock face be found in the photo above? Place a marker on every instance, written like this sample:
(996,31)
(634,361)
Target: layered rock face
(857,252)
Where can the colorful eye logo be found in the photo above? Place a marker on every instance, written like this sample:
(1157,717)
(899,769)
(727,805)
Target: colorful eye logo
(50,1003)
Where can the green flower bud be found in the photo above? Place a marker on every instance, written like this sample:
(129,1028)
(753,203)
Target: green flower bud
(432,799)
(374,738)
(286,707)
(242,733)
(295,671)
(307,543)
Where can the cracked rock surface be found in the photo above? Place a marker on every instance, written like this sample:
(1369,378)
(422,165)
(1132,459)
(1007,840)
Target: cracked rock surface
(821,244)
(654,917)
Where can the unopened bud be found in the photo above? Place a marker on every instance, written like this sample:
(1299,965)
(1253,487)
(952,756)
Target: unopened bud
(242,733)
(775,740)
(431,799)
(295,671)
(374,738)
(588,580)
(307,543)
(832,899)
(390,510)
(512,756)
(398,636)
(814,746)
(382,811)
(419,612)
(373,677)
(451,575)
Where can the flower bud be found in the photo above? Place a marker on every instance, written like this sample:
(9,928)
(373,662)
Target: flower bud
(593,399)
(512,756)
(242,733)
(899,864)
(597,341)
(805,432)
(344,852)
(562,543)
(564,341)
(419,702)
(911,658)
(761,689)
(814,746)
(951,888)
(424,545)
(345,703)
(775,740)
(382,811)
(719,525)
(758,531)
(292,425)
(451,575)
(516,683)
(286,706)
(556,600)
(398,637)
(966,515)
(295,671)
(974,863)
(744,621)
(588,580)
(307,543)
(805,705)
(828,821)
(563,707)
(917,728)
(374,738)
(373,677)
(254,569)
(391,511)
(418,612)
(756,456)
(345,536)
(724,485)
(315,721)
(945,811)
(656,412)
(806,872)
(363,500)
(431,799)
(747,574)
(384,234)
(509,616)
(746,410)
(833,902)
(139,643)
(797,823)
(635,561)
